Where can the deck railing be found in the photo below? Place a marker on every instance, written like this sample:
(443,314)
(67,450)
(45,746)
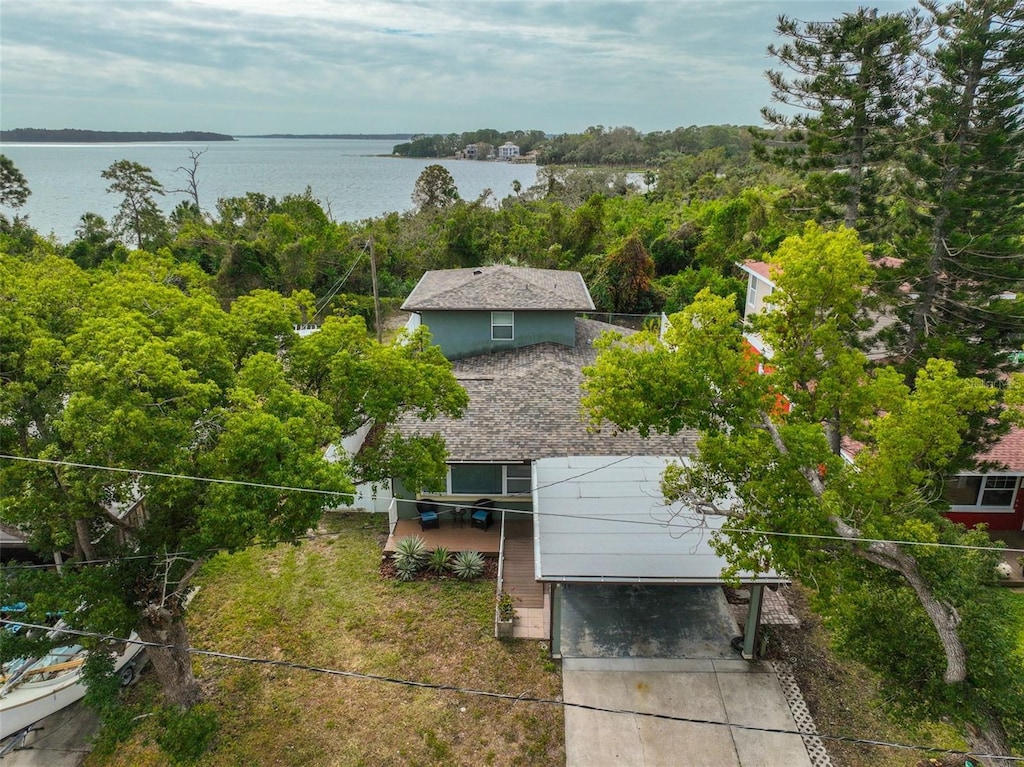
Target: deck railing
(392,516)
(501,571)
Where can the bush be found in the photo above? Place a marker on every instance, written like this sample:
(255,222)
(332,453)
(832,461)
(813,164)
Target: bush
(467,565)
(439,561)
(413,550)
(185,735)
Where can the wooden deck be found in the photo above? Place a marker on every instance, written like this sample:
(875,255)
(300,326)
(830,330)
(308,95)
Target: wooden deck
(518,571)
(455,538)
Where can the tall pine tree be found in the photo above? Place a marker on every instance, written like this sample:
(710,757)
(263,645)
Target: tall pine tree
(965,257)
(844,89)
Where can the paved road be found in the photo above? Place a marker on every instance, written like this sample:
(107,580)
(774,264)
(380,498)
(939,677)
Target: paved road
(60,740)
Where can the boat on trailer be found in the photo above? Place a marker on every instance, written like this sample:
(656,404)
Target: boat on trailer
(33,688)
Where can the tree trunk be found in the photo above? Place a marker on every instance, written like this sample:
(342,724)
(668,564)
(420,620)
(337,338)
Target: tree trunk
(173,665)
(990,738)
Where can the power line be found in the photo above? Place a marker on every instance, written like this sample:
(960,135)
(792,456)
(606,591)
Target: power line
(653,523)
(523,698)
(169,475)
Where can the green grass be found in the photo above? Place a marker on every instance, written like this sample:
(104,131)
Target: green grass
(324,604)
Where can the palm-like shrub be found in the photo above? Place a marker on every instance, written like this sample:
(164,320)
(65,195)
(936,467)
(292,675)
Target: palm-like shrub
(467,565)
(439,561)
(410,557)
(406,569)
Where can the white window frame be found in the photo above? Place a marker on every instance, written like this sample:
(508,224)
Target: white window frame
(510,324)
(752,291)
(983,486)
(507,488)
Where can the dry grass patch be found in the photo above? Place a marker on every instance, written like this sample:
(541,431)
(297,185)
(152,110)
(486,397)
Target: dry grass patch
(324,604)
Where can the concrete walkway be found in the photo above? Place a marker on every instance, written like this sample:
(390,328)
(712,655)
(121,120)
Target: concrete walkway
(666,650)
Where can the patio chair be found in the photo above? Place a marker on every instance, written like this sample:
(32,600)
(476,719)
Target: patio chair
(482,516)
(428,515)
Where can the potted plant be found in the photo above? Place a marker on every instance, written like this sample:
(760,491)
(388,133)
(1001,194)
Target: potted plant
(506,610)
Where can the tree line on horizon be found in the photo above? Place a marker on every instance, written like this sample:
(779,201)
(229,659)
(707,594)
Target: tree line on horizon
(898,171)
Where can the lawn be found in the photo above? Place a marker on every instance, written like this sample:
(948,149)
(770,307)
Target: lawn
(324,604)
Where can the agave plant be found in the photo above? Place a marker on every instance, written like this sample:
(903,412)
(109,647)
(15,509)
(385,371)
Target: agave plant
(439,561)
(412,549)
(406,569)
(467,565)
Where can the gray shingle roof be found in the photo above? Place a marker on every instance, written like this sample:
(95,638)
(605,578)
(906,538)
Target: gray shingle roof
(500,287)
(525,405)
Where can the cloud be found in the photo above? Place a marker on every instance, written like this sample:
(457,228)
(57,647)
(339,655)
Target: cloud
(314,65)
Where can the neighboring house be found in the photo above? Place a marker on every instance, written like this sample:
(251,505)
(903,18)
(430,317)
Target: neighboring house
(507,151)
(994,497)
(470,152)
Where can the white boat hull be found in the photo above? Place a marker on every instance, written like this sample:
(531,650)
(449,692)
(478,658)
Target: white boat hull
(28,702)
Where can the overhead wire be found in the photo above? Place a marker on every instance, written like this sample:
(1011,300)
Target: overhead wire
(521,698)
(451,504)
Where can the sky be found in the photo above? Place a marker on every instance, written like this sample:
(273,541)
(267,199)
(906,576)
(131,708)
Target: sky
(246,67)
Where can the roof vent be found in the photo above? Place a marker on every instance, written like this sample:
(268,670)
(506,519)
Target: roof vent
(478,271)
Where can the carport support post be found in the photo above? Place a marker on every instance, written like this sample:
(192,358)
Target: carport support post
(753,621)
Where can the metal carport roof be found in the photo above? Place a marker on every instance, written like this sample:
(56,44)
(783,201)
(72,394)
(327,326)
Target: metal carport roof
(604,519)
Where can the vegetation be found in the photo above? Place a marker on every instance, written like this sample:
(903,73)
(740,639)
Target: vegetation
(14,189)
(323,604)
(769,459)
(138,368)
(904,152)
(467,565)
(76,135)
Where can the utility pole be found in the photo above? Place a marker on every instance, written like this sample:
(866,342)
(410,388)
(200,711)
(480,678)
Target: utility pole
(376,294)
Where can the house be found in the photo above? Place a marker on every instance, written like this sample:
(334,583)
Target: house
(994,497)
(508,151)
(519,349)
(470,152)
(498,308)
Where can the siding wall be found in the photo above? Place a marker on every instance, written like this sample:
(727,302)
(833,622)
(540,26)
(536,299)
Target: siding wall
(463,334)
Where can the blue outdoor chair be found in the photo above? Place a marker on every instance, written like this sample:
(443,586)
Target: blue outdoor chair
(428,515)
(483,515)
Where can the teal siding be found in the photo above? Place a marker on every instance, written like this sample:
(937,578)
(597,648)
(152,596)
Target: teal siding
(463,334)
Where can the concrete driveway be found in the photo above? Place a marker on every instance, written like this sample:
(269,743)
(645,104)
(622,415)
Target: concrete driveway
(666,650)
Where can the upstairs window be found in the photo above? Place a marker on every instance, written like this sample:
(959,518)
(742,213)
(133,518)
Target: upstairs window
(974,490)
(752,291)
(502,326)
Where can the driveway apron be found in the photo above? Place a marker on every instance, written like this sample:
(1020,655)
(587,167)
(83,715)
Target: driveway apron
(665,650)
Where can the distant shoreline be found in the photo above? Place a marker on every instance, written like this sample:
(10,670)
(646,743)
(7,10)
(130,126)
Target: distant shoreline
(76,136)
(347,136)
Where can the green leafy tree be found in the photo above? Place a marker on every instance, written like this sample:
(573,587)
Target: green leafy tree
(14,189)
(625,281)
(138,213)
(768,459)
(137,367)
(435,189)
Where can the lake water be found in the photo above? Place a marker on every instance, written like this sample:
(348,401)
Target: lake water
(349,175)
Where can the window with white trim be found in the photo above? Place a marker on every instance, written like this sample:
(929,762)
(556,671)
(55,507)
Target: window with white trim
(489,479)
(503,326)
(752,291)
(984,491)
